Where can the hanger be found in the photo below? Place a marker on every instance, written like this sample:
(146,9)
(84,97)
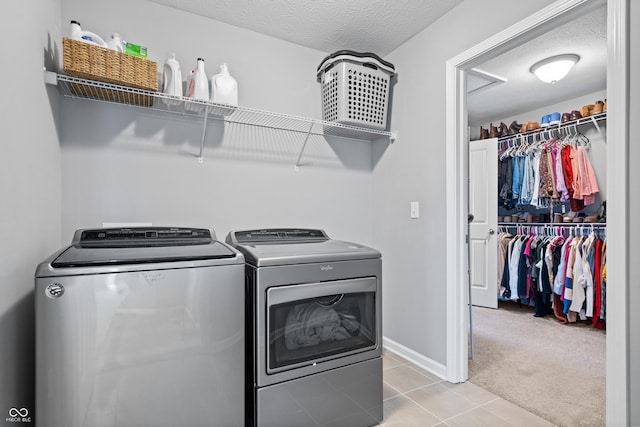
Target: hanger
(582,140)
(507,153)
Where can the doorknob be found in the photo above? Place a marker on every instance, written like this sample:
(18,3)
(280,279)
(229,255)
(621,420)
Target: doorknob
(492,231)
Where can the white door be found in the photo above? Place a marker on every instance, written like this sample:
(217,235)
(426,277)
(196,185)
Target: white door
(483,205)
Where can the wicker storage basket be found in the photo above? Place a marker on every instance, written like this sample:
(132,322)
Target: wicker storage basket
(91,62)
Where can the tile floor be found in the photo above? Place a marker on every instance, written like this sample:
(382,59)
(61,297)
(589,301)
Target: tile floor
(414,397)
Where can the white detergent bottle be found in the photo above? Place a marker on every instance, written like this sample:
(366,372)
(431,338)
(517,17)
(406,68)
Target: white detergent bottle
(172,80)
(86,36)
(172,77)
(200,82)
(224,88)
(115,43)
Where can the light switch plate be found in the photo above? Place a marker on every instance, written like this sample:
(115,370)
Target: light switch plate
(415,210)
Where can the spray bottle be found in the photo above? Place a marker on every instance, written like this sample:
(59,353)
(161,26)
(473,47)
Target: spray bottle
(197,87)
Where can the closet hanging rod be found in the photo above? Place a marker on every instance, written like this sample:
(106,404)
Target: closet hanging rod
(593,120)
(554,224)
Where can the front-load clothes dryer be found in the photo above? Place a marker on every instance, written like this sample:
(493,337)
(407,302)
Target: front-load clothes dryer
(314,338)
(140,327)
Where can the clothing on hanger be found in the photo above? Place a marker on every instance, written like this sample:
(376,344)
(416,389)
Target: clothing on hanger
(555,273)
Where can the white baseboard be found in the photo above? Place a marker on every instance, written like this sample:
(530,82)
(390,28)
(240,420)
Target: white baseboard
(418,359)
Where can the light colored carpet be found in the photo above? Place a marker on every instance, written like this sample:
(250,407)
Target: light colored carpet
(555,371)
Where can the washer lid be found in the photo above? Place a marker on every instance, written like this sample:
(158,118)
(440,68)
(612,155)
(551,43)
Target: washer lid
(117,246)
(295,246)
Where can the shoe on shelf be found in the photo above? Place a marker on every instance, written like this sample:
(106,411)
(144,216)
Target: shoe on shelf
(598,107)
(587,110)
(557,218)
(604,106)
(519,217)
(503,130)
(566,117)
(545,121)
(569,216)
(514,128)
(579,217)
(555,119)
(484,133)
(575,115)
(532,126)
(493,131)
(595,217)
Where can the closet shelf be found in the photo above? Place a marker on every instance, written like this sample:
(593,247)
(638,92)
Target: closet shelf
(594,120)
(104,92)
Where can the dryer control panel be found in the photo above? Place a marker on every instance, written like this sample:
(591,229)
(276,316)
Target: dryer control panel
(280,235)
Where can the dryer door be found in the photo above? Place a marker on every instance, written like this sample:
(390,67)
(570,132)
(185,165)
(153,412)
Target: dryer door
(315,322)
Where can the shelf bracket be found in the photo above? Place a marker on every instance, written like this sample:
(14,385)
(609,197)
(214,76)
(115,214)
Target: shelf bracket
(306,139)
(50,77)
(393,136)
(204,132)
(602,135)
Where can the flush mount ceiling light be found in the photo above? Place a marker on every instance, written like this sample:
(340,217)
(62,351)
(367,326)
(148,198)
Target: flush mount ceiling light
(552,69)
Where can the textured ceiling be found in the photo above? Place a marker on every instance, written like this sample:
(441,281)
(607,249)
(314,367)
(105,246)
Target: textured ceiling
(380,26)
(377,26)
(585,36)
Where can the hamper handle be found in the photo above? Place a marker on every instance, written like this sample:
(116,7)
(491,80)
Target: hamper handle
(328,67)
(370,65)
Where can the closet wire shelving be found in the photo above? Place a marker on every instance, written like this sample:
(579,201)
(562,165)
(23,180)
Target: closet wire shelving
(554,229)
(74,87)
(556,130)
(551,131)
(553,225)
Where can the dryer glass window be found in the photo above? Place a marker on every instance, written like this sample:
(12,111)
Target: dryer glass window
(314,329)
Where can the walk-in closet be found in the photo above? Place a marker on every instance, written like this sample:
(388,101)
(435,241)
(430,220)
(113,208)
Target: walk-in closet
(537,224)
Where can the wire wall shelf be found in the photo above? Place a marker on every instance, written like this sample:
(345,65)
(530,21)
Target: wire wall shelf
(74,87)
(553,224)
(570,126)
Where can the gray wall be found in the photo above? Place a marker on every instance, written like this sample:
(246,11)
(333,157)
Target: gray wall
(414,169)
(634,208)
(123,166)
(30,187)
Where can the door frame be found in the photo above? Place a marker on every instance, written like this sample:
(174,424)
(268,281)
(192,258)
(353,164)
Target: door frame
(617,346)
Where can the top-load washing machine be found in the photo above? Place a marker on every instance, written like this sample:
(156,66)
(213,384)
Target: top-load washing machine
(313,329)
(140,327)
